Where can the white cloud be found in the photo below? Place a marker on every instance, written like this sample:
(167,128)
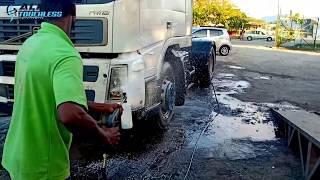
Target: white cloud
(261,8)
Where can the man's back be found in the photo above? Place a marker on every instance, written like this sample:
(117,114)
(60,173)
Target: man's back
(37,143)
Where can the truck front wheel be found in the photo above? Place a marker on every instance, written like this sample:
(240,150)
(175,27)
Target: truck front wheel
(168,96)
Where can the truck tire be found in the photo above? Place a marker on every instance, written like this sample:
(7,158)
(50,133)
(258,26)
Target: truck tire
(168,93)
(205,73)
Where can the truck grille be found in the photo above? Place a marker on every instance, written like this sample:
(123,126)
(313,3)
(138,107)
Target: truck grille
(7,91)
(7,68)
(86,31)
(91,95)
(90,73)
(10,92)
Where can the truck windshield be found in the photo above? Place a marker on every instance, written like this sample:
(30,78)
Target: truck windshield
(21,2)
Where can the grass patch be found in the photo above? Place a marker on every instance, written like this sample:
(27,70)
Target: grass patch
(305,47)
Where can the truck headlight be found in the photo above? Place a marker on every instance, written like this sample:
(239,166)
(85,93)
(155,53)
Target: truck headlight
(118,82)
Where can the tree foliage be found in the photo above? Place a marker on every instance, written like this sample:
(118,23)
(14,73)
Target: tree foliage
(218,12)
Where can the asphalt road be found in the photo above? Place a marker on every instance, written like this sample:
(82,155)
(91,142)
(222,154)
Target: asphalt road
(260,42)
(292,76)
(240,143)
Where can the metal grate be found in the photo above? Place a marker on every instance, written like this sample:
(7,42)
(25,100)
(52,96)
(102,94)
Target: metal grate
(86,31)
(9,30)
(6,2)
(91,95)
(7,68)
(90,73)
(10,92)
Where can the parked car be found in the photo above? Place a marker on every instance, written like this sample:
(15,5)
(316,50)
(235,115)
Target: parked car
(201,63)
(218,35)
(251,35)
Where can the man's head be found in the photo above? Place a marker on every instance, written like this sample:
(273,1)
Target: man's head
(68,9)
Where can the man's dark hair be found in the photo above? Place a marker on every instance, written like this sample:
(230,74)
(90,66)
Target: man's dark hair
(67,7)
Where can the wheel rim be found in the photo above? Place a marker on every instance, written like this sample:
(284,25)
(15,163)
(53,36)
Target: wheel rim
(168,95)
(224,50)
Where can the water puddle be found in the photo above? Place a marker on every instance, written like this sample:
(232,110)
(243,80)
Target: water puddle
(263,78)
(225,75)
(232,134)
(235,67)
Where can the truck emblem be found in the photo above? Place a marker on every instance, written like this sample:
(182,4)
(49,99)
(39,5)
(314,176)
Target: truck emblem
(99,13)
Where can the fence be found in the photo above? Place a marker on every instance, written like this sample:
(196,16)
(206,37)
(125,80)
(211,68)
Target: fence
(303,35)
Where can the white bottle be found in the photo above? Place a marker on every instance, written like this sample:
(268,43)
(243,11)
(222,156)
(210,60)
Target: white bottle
(126,118)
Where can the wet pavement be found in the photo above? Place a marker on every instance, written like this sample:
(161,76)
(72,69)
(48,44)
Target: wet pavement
(240,143)
(275,75)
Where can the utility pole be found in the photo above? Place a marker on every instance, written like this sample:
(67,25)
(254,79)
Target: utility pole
(278,27)
(315,37)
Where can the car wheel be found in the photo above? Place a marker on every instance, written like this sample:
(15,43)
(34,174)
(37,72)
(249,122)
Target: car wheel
(168,94)
(249,38)
(224,50)
(269,39)
(205,73)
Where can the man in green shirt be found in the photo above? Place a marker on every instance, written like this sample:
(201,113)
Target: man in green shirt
(50,102)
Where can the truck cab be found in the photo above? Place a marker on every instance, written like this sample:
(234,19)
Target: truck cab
(127,46)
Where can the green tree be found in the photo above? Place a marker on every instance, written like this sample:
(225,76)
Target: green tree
(216,12)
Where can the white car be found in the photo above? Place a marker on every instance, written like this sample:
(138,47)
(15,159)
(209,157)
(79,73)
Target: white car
(219,35)
(250,35)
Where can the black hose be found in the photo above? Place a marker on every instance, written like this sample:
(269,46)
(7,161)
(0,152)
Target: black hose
(203,131)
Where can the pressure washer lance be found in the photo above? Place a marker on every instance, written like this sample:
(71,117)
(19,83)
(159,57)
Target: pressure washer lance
(111,121)
(104,166)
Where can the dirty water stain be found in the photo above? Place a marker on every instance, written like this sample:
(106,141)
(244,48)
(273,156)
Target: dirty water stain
(231,134)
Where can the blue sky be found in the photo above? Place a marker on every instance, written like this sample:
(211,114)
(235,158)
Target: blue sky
(262,8)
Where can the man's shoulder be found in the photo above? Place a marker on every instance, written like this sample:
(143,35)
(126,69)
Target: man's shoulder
(51,44)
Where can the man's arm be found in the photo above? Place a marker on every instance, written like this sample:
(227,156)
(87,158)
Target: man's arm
(71,100)
(103,108)
(74,117)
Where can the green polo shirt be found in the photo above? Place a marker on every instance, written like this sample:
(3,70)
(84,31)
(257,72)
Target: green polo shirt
(48,73)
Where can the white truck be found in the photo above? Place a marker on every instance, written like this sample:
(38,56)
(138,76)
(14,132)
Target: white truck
(127,46)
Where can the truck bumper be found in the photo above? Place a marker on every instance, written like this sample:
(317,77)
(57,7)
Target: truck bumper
(97,75)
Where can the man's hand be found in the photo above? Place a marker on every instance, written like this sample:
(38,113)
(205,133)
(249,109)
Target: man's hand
(104,108)
(110,135)
(74,117)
